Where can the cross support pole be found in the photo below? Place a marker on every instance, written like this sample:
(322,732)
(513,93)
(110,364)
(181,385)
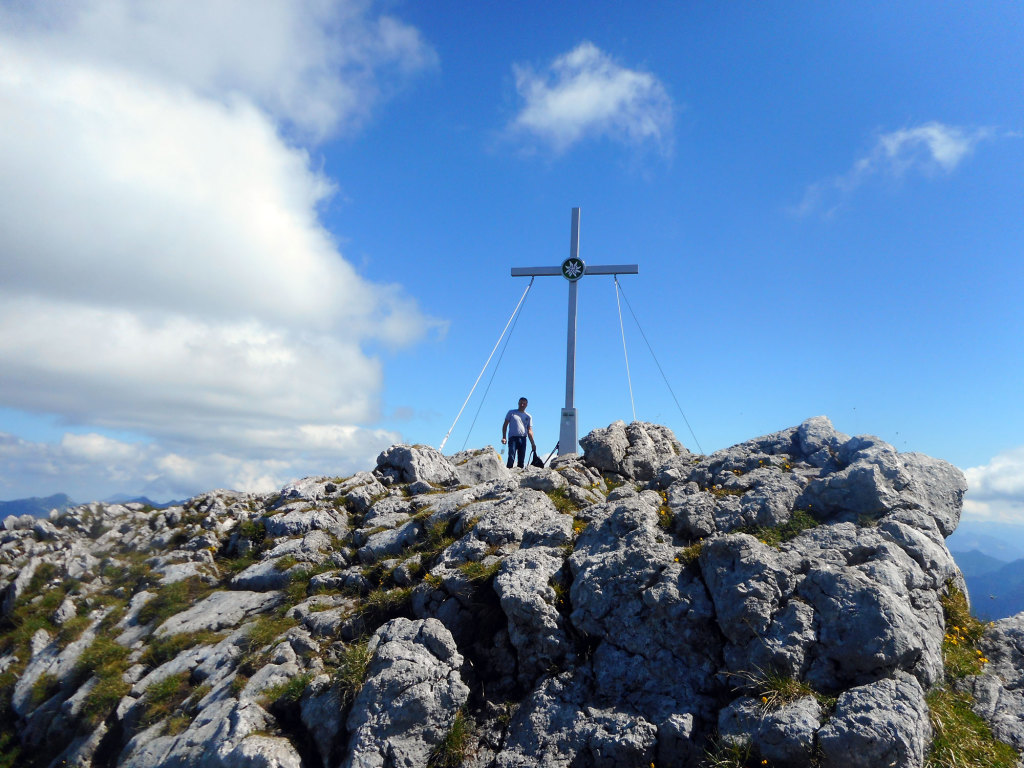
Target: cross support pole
(572,269)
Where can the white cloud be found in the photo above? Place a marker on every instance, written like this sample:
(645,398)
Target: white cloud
(585,93)
(163,268)
(319,65)
(928,149)
(91,466)
(996,490)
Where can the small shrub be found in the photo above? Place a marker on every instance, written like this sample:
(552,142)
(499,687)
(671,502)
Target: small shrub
(51,599)
(238,682)
(72,629)
(433,580)
(611,484)
(720,492)
(43,575)
(106,660)
(691,554)
(561,594)
(440,536)
(254,530)
(177,724)
(10,749)
(133,576)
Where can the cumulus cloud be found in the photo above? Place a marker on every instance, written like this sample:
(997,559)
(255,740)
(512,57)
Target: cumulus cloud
(930,149)
(92,466)
(163,268)
(585,93)
(316,65)
(996,490)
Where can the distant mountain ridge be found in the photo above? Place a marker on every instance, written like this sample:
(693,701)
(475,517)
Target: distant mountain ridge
(1003,541)
(996,588)
(36,506)
(41,506)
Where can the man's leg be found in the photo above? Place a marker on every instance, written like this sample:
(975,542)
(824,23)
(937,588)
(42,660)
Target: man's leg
(522,452)
(517,450)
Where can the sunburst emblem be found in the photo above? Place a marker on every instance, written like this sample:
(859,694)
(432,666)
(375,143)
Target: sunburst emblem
(572,268)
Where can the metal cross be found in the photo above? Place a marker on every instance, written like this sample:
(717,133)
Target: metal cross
(572,269)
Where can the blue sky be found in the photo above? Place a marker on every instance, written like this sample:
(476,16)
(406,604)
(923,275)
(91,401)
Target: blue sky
(242,242)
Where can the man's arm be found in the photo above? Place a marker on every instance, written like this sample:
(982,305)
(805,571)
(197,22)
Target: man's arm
(529,431)
(504,429)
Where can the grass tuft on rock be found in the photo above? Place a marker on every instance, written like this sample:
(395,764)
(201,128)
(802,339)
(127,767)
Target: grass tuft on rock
(289,691)
(962,739)
(452,750)
(164,698)
(799,521)
(353,663)
(563,503)
(172,599)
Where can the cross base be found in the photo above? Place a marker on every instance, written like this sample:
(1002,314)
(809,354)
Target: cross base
(567,436)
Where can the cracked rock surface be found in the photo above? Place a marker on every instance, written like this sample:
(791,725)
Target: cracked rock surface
(632,605)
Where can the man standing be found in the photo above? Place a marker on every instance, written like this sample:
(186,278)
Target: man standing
(519,425)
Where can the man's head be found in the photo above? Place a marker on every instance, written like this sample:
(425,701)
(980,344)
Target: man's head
(522,403)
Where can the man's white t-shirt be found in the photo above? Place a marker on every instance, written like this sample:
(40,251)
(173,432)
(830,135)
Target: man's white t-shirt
(519,422)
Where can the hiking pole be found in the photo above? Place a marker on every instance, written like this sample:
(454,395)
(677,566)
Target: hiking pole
(550,454)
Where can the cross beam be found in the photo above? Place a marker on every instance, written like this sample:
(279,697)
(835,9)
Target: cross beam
(572,269)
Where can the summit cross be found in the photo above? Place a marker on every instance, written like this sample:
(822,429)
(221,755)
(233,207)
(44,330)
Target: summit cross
(572,269)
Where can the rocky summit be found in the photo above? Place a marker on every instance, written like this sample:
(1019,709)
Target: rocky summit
(789,601)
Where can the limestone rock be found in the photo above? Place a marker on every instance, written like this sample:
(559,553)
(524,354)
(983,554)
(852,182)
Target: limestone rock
(298,519)
(225,734)
(881,723)
(657,643)
(412,463)
(999,692)
(412,692)
(475,467)
(528,600)
(622,607)
(783,734)
(219,611)
(635,451)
